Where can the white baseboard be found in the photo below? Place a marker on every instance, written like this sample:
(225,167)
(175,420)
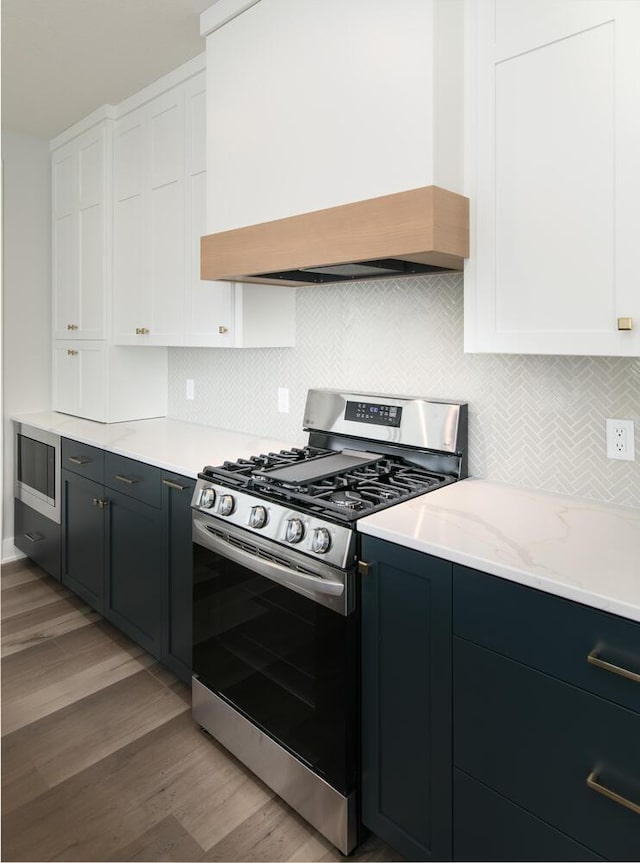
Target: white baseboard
(10,552)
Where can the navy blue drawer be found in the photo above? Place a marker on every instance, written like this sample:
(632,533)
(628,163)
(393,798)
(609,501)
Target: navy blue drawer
(140,481)
(551,634)
(536,740)
(488,827)
(38,537)
(83,459)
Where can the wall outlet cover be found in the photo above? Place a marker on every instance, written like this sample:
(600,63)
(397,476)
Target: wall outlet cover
(620,439)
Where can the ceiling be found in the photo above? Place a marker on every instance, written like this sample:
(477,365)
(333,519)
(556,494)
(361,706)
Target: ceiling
(61,59)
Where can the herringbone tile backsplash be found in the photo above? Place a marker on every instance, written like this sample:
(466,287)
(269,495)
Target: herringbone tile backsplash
(535,421)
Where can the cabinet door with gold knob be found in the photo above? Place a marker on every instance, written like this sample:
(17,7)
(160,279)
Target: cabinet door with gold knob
(80,191)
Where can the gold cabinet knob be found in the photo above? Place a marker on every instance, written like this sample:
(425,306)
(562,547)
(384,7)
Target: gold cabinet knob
(223,330)
(141,331)
(72,326)
(625,324)
(71,352)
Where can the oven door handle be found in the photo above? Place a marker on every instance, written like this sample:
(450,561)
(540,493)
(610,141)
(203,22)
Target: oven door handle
(269,568)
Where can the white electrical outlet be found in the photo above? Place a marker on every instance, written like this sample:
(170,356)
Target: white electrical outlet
(283,400)
(191,389)
(620,439)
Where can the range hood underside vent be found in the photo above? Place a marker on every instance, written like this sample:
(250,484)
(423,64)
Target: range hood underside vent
(423,230)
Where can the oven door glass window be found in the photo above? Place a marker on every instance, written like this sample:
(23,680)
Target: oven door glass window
(36,466)
(283,661)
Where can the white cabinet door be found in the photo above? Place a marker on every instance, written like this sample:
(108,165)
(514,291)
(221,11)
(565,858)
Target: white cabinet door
(209,309)
(149,223)
(554,184)
(80,238)
(80,379)
(101,382)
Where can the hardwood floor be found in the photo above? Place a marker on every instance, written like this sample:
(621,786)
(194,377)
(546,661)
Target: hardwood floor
(102,761)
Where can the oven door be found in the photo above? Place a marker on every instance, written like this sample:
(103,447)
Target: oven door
(276,654)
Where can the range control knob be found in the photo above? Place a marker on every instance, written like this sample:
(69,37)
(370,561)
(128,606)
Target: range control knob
(295,530)
(321,542)
(257,516)
(207,498)
(227,504)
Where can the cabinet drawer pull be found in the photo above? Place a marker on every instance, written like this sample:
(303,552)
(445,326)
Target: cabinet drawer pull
(77,459)
(363,568)
(100,503)
(592,782)
(625,324)
(126,479)
(72,326)
(34,537)
(174,485)
(71,352)
(594,659)
(142,331)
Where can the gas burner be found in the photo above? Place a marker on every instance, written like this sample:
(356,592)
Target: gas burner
(347,499)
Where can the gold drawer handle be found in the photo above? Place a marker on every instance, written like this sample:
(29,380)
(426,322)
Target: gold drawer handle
(100,503)
(174,485)
(76,459)
(142,331)
(625,324)
(592,782)
(72,326)
(594,659)
(126,479)
(223,330)
(71,352)
(34,537)
(363,568)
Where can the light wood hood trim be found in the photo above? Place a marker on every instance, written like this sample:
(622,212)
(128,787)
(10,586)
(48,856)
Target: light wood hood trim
(428,225)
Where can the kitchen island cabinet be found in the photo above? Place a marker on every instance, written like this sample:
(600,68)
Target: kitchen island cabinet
(552,139)
(406,700)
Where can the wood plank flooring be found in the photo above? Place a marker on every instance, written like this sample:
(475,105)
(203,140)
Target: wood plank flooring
(102,761)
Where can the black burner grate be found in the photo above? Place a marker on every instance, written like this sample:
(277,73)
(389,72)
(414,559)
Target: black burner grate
(344,496)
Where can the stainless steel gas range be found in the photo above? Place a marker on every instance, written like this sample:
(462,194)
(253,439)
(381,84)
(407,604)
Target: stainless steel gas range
(276,618)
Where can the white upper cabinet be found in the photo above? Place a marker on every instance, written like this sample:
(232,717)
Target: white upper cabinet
(149,222)
(315,104)
(80,233)
(159,217)
(553,138)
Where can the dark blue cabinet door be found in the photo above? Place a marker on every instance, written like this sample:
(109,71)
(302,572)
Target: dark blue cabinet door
(83,543)
(136,569)
(406,700)
(176,648)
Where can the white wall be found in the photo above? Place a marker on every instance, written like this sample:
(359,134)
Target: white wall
(26,297)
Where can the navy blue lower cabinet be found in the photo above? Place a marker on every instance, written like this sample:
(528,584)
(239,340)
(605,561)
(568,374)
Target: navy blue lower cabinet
(136,566)
(488,827)
(541,743)
(177,492)
(38,537)
(406,700)
(84,510)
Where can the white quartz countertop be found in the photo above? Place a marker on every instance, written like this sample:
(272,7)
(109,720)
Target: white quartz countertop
(173,445)
(578,549)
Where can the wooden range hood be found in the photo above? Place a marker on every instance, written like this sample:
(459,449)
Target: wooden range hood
(421,230)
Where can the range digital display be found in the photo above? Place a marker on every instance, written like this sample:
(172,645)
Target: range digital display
(373,414)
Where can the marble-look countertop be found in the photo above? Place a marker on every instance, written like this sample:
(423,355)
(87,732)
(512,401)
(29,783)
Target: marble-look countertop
(575,548)
(174,445)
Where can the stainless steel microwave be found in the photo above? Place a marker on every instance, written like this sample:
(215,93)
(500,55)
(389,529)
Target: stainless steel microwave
(37,469)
